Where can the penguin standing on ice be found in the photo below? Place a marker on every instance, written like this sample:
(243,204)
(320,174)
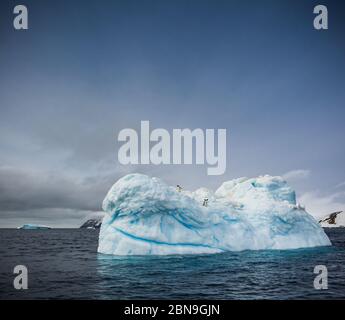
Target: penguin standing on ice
(178,188)
(205,202)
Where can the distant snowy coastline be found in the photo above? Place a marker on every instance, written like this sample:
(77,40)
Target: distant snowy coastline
(94,223)
(333,220)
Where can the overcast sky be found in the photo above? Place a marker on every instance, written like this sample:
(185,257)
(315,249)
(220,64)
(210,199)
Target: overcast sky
(87,69)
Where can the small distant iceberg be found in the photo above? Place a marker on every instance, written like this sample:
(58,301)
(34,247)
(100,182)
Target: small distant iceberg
(145,216)
(34,227)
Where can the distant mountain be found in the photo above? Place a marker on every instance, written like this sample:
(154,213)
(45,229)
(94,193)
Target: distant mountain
(94,223)
(335,219)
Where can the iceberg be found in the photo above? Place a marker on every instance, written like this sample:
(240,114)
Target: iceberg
(34,227)
(145,216)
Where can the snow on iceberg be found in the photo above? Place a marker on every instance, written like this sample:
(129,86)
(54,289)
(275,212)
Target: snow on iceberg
(145,216)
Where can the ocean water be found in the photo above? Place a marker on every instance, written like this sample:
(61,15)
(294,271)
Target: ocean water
(64,264)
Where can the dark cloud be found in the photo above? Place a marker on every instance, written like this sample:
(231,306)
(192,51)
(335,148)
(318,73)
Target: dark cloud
(23,190)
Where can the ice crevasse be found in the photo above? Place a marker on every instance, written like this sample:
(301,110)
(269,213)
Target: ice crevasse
(146,216)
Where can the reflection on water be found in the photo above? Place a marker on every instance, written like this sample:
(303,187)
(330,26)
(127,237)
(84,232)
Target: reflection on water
(64,264)
(232,275)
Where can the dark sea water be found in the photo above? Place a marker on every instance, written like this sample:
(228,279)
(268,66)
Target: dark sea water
(64,264)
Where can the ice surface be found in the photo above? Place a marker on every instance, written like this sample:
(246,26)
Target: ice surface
(145,216)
